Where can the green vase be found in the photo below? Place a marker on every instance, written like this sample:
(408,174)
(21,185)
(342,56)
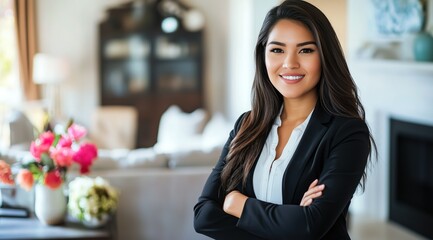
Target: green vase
(423,47)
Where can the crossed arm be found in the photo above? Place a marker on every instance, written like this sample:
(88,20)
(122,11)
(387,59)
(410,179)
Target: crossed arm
(235,201)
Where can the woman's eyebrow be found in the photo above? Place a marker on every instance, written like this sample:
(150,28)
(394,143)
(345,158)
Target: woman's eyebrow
(297,45)
(306,43)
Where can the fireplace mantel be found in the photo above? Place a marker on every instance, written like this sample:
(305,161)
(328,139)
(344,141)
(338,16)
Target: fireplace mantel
(393,65)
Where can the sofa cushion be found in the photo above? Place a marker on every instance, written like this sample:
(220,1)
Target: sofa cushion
(144,157)
(194,158)
(109,159)
(114,127)
(179,131)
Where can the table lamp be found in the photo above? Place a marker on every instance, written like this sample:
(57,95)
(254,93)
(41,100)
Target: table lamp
(50,71)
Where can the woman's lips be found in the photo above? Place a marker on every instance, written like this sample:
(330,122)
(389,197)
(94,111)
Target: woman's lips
(292,78)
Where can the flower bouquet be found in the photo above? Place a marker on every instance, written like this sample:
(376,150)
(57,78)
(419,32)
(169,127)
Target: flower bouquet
(53,154)
(92,200)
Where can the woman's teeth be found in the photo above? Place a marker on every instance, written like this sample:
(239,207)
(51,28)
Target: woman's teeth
(292,78)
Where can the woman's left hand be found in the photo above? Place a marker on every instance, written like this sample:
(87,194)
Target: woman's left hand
(314,191)
(234,203)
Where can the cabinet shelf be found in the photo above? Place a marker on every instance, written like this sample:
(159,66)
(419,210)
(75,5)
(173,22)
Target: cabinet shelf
(124,60)
(179,59)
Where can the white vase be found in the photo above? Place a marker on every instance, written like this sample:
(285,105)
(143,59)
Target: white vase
(50,204)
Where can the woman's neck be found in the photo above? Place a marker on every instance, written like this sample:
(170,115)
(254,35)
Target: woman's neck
(294,110)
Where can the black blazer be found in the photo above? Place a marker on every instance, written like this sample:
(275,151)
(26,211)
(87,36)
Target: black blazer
(332,149)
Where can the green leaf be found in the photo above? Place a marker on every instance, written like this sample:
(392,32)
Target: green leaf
(35,170)
(56,139)
(47,161)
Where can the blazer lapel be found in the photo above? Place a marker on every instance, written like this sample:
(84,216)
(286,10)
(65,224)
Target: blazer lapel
(307,146)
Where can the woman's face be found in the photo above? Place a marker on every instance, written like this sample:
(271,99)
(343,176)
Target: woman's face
(293,60)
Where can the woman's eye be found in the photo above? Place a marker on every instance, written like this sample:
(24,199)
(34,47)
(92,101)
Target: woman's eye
(306,50)
(276,50)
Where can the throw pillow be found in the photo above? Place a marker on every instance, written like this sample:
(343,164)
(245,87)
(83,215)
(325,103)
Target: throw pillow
(216,132)
(179,131)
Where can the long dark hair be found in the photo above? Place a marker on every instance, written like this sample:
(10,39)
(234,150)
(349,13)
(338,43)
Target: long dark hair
(337,92)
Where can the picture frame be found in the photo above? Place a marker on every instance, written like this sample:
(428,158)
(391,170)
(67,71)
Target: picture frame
(396,18)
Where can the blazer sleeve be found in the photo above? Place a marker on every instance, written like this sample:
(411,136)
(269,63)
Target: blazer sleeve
(343,166)
(209,217)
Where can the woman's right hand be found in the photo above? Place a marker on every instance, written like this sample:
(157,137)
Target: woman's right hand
(313,192)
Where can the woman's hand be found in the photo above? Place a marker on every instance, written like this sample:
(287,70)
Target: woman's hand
(313,192)
(234,203)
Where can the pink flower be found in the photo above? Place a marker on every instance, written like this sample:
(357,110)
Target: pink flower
(64,141)
(84,169)
(25,179)
(42,144)
(53,179)
(36,151)
(5,173)
(85,156)
(62,156)
(76,132)
(46,139)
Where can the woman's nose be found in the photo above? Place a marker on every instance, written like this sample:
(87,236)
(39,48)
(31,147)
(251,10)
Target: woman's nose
(291,62)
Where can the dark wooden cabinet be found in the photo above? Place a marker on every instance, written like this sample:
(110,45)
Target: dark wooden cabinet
(145,67)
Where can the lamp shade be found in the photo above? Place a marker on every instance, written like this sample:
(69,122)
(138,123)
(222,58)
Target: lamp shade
(48,69)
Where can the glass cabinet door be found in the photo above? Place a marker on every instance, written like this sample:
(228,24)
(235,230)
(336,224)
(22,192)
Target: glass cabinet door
(176,63)
(126,66)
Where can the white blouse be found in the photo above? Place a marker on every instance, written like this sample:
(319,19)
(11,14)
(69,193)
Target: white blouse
(268,174)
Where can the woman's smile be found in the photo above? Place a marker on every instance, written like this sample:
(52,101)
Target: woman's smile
(292,78)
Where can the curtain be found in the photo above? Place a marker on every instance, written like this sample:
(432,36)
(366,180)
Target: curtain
(24,12)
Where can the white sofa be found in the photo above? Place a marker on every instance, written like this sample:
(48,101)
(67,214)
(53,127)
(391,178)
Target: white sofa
(157,191)
(157,203)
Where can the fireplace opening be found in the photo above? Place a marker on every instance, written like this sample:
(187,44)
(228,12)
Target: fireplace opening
(411,176)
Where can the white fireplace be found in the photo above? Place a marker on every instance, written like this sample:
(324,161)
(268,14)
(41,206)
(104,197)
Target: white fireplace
(389,89)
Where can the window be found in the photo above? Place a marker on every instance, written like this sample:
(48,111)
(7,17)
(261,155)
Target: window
(10,94)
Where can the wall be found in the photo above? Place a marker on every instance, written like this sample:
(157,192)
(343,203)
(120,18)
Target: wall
(246,17)
(68,28)
(216,53)
(336,12)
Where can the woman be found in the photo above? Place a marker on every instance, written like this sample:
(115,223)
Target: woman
(306,123)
